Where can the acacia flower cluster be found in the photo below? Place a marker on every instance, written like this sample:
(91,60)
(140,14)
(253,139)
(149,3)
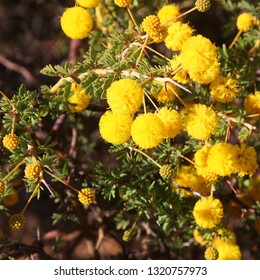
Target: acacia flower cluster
(79,100)
(208,212)
(76,22)
(88,3)
(153,28)
(11,141)
(201,122)
(122,3)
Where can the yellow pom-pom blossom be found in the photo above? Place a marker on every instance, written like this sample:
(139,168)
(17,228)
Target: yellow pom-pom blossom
(147,131)
(254,189)
(171,120)
(2,187)
(11,141)
(208,212)
(11,199)
(115,128)
(211,253)
(246,160)
(167,93)
(88,3)
(182,76)
(252,103)
(125,96)
(203,5)
(224,89)
(227,250)
(153,28)
(207,76)
(166,171)
(178,33)
(245,22)
(123,3)
(17,221)
(32,171)
(200,160)
(201,122)
(222,158)
(167,13)
(79,100)
(186,176)
(76,23)
(198,54)
(87,196)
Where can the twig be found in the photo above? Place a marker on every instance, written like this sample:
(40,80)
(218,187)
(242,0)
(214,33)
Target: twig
(133,20)
(73,51)
(144,154)
(19,69)
(231,119)
(126,73)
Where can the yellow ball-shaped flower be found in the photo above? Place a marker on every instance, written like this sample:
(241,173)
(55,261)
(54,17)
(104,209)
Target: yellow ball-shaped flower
(87,196)
(153,28)
(201,122)
(203,5)
(11,141)
(125,96)
(79,100)
(17,221)
(88,3)
(208,212)
(207,76)
(32,171)
(178,33)
(222,158)
(211,253)
(186,176)
(224,89)
(198,54)
(182,77)
(147,131)
(227,250)
(245,22)
(171,120)
(246,162)
(11,199)
(76,23)
(123,3)
(166,171)
(115,128)
(252,103)
(167,13)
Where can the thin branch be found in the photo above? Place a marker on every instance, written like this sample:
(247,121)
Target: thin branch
(19,69)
